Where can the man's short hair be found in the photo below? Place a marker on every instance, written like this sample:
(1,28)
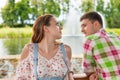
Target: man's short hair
(92,16)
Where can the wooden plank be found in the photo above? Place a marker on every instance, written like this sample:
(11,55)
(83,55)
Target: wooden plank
(10,57)
(81,76)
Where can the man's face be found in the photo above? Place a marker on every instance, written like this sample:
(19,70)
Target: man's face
(87,27)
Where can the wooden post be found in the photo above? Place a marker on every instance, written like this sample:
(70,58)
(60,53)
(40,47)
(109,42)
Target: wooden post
(80,77)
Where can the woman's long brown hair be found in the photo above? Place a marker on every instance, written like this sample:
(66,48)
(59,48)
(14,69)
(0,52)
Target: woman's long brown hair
(38,27)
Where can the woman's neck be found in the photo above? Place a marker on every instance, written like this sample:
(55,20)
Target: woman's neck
(47,45)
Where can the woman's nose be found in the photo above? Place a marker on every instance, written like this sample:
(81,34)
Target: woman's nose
(60,27)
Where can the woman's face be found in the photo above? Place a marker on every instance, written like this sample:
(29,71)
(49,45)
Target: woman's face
(54,29)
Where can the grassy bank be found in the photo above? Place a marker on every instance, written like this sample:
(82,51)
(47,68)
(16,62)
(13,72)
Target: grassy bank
(27,32)
(15,32)
(115,30)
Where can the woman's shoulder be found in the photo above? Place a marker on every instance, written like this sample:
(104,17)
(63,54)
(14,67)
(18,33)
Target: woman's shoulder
(68,50)
(25,51)
(67,47)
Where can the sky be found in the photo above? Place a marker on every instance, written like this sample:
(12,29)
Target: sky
(2,3)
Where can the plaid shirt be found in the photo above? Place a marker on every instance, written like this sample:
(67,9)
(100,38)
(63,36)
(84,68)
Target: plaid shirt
(102,53)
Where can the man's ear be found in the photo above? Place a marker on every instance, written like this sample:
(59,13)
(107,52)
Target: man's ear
(96,24)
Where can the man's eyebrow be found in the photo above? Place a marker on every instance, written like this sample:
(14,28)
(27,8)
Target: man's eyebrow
(83,25)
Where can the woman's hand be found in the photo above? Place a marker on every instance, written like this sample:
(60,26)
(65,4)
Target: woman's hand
(70,76)
(93,76)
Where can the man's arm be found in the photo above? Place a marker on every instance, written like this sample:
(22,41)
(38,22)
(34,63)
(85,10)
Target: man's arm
(88,61)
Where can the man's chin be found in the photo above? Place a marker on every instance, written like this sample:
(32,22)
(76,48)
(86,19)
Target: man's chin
(86,35)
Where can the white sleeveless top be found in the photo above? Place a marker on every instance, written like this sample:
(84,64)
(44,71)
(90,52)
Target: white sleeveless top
(46,68)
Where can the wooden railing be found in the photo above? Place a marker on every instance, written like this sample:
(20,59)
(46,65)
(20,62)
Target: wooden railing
(15,59)
(80,77)
(75,78)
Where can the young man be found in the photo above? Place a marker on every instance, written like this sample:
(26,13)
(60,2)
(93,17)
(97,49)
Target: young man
(101,49)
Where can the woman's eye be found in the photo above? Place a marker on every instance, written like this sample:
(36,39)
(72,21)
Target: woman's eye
(59,24)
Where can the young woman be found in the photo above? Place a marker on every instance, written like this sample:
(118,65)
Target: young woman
(44,58)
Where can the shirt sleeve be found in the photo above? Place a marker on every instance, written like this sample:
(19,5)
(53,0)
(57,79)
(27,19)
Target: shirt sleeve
(88,61)
(24,71)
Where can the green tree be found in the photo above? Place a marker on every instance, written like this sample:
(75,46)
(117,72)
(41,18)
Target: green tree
(35,8)
(116,20)
(12,12)
(8,13)
(112,12)
(49,7)
(64,5)
(45,7)
(100,6)
(22,10)
(106,11)
(87,5)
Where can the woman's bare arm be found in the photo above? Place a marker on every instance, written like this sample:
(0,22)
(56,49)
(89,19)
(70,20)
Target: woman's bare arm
(69,54)
(25,52)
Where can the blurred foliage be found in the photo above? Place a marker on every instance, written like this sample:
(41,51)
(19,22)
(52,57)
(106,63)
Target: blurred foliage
(15,38)
(15,32)
(116,20)
(115,30)
(15,46)
(27,32)
(13,12)
(87,5)
(110,10)
(8,13)
(23,11)
(1,26)
(41,7)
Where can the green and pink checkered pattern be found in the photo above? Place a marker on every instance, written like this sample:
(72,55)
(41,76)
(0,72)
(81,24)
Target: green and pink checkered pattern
(102,53)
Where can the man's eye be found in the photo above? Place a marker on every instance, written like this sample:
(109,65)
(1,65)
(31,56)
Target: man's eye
(83,25)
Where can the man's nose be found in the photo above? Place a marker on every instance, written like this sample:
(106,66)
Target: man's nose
(82,30)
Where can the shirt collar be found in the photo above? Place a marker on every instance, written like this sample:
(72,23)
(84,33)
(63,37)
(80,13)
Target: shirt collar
(98,34)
